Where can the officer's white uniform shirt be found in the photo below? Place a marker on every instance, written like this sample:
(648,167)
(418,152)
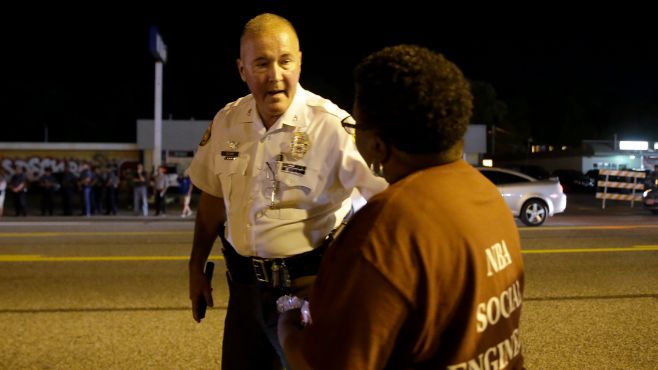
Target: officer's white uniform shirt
(315,189)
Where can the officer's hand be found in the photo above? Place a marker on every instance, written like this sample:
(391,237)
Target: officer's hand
(199,289)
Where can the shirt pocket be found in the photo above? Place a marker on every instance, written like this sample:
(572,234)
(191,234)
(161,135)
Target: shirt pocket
(298,194)
(228,171)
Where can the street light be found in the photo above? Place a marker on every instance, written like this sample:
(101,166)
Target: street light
(159,52)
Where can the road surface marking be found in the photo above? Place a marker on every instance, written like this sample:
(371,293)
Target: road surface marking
(608,227)
(43,234)
(634,248)
(40,258)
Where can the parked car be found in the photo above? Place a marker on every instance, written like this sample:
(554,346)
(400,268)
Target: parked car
(537,172)
(529,199)
(574,181)
(650,200)
(593,175)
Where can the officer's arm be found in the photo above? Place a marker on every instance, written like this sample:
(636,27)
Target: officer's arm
(210,217)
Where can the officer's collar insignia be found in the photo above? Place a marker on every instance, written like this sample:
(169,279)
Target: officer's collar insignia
(206,135)
(299,145)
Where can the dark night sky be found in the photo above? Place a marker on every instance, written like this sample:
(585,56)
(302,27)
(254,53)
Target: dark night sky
(564,76)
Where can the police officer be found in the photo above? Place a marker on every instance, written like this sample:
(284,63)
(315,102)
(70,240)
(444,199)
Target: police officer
(49,185)
(18,187)
(277,167)
(69,188)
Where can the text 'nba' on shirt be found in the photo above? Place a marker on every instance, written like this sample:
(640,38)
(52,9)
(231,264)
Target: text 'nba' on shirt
(490,312)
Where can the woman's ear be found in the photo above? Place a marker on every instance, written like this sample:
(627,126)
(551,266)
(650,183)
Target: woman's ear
(380,150)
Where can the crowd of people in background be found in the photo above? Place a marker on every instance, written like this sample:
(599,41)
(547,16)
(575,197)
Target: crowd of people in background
(96,189)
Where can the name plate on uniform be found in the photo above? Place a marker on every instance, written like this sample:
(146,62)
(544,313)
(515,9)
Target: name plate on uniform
(230,156)
(293,168)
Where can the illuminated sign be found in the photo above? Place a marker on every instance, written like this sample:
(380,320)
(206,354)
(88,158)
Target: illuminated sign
(157,46)
(633,145)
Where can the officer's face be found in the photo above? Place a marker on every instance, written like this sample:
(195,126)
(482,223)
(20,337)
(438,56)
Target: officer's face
(270,63)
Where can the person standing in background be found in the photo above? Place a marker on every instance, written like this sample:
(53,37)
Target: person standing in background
(18,187)
(3,190)
(140,191)
(185,187)
(111,186)
(85,181)
(98,189)
(160,186)
(68,190)
(48,185)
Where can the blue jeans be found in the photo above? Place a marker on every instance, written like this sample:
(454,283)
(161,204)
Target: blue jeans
(139,193)
(86,192)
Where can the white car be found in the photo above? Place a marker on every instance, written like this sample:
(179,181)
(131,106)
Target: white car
(531,200)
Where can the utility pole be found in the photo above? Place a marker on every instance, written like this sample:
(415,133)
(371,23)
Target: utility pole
(493,139)
(614,142)
(159,52)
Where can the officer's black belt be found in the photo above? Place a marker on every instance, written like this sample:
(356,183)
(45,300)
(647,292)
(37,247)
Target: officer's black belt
(271,272)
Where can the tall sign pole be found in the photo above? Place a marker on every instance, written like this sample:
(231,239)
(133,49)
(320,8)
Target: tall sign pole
(159,52)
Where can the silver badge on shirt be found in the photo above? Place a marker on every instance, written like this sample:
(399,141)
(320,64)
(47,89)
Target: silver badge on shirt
(299,145)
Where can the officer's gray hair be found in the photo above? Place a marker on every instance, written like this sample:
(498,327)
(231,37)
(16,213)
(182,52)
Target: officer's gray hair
(264,22)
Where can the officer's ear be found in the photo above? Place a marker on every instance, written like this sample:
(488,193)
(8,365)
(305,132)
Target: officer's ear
(241,70)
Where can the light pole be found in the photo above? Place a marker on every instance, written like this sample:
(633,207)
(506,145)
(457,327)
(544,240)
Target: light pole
(159,52)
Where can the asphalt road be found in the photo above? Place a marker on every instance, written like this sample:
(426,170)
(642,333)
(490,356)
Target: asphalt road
(111,293)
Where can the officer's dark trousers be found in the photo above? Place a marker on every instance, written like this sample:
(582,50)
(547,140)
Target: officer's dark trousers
(251,341)
(250,329)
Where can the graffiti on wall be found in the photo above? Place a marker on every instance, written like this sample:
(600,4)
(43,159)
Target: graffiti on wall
(35,166)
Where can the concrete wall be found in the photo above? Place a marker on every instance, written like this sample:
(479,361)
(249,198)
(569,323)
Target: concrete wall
(176,134)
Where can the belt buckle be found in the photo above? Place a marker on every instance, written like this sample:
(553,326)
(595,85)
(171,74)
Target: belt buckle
(260,270)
